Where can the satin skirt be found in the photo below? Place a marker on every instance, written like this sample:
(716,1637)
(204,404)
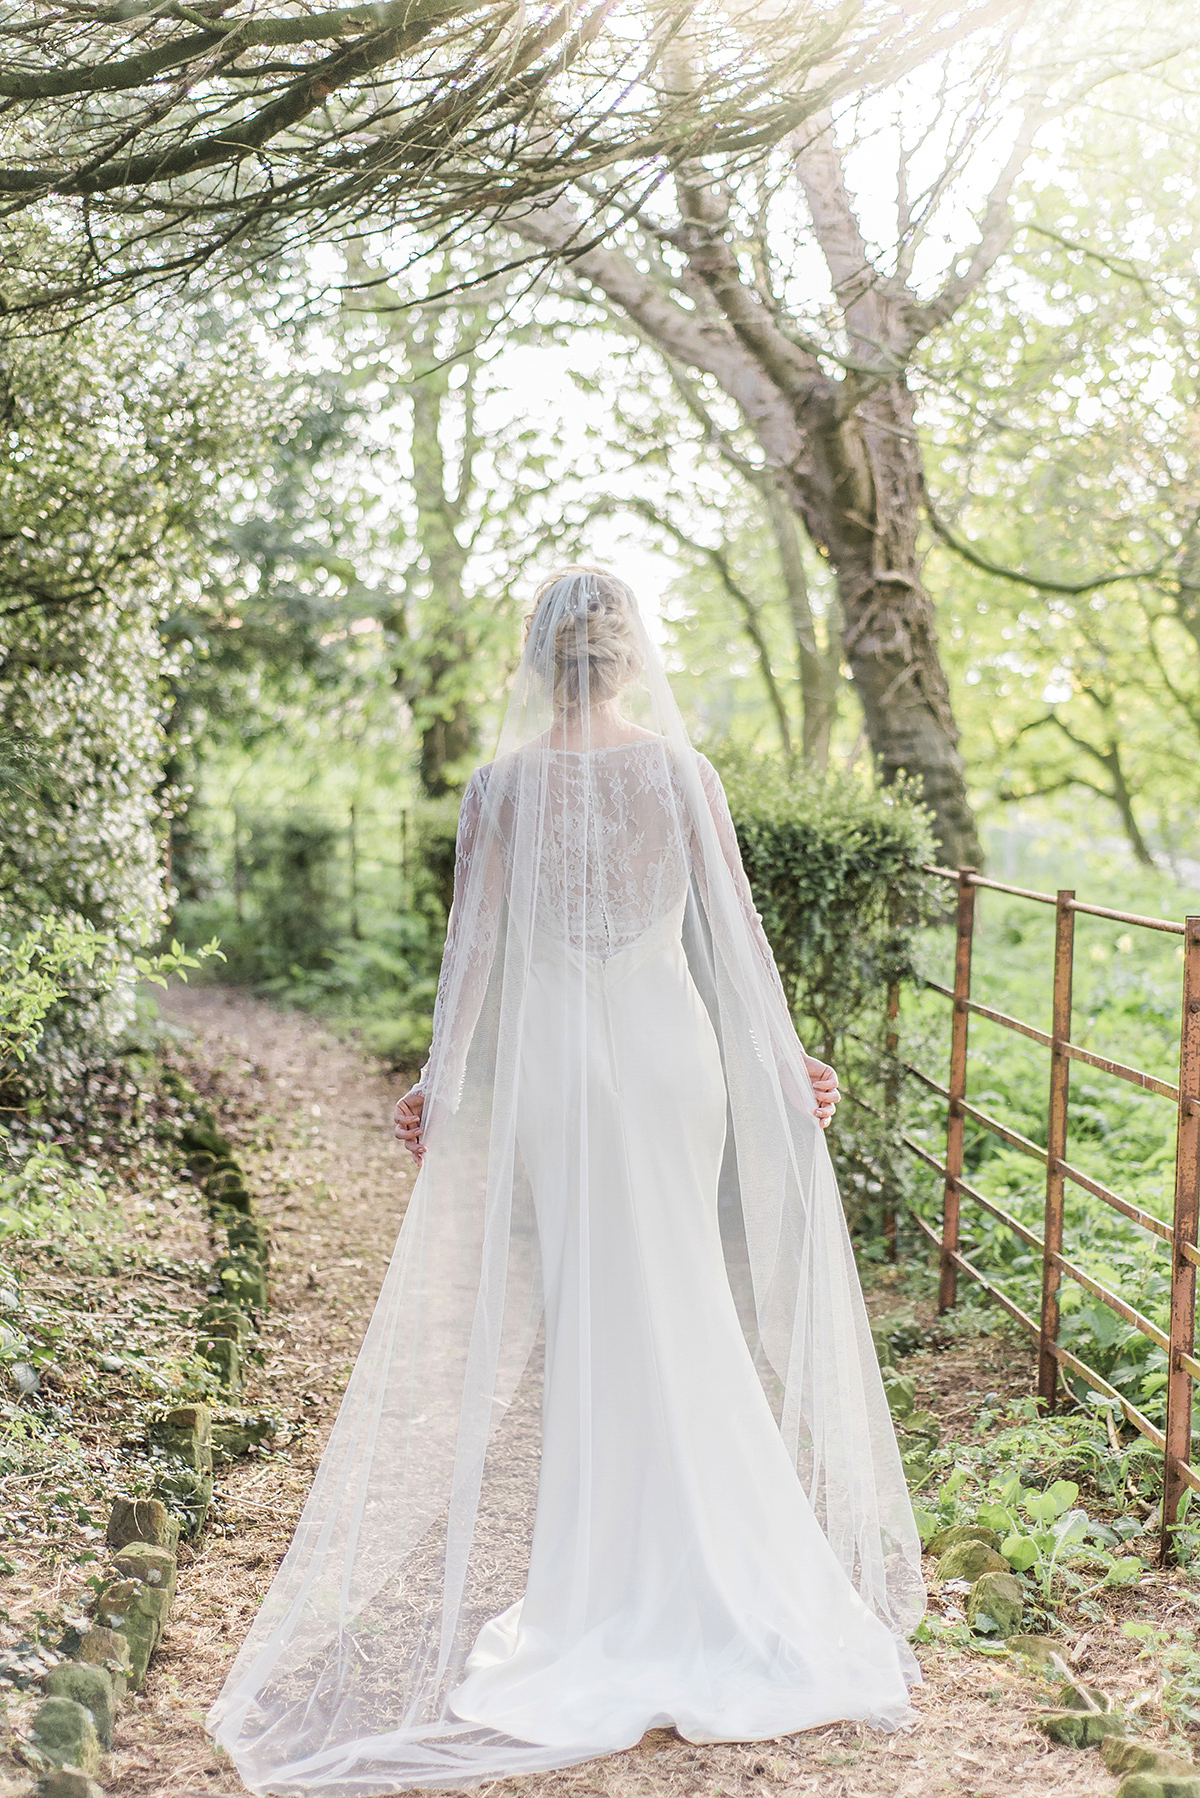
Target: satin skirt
(677,1575)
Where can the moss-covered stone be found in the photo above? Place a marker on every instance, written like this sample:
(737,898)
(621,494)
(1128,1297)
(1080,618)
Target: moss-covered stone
(66,1735)
(184,1436)
(1123,1754)
(1072,1697)
(243,1280)
(236,1432)
(67,1782)
(1159,1785)
(1042,1649)
(224,1356)
(201,1137)
(141,1520)
(900,1390)
(223,1319)
(189,1495)
(969,1560)
(89,1686)
(996,1599)
(137,1612)
(1080,1729)
(883,1348)
(249,1237)
(925,1425)
(153,1565)
(106,1648)
(960,1532)
(227,1187)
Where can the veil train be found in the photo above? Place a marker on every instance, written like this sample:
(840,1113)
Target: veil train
(616,1451)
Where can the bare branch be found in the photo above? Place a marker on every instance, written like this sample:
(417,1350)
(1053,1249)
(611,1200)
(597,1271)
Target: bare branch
(1039,583)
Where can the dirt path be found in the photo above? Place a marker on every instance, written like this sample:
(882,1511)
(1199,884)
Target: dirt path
(312,1119)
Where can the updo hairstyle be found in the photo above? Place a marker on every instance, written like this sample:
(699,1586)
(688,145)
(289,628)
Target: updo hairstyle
(608,611)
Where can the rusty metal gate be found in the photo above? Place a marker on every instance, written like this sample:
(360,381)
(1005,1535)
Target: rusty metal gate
(1180,1236)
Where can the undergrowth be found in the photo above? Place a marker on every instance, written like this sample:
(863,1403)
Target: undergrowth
(1127,994)
(104,1262)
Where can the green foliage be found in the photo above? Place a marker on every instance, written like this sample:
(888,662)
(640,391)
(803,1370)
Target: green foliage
(39,970)
(1061,427)
(1175,1658)
(835,868)
(117,440)
(1014,1477)
(31,980)
(289,921)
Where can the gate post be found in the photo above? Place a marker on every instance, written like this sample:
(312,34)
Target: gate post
(1056,1142)
(952,1198)
(1187,1207)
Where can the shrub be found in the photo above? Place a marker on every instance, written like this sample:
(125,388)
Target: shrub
(835,868)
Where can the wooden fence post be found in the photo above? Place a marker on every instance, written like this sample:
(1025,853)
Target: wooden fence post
(1056,1142)
(1187,1215)
(239,879)
(355,930)
(952,1200)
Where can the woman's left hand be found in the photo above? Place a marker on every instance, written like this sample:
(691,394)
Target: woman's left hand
(825,1090)
(409,1117)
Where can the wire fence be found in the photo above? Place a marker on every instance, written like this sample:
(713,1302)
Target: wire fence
(369,851)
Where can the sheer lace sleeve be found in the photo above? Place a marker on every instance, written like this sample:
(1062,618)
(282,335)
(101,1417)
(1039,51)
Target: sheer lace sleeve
(468,952)
(727,842)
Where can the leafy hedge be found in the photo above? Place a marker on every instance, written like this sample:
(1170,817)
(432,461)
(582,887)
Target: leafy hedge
(835,868)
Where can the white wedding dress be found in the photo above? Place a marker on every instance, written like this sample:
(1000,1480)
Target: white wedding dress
(677,1575)
(625,1197)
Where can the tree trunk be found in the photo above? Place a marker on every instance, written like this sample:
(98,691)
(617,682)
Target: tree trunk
(820,669)
(444,718)
(859,492)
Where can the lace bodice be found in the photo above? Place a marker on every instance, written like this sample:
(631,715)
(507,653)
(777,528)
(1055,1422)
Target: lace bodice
(613,859)
(590,848)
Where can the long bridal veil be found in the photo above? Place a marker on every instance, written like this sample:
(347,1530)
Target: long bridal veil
(579,850)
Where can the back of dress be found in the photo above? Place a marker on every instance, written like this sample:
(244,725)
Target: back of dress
(608,1002)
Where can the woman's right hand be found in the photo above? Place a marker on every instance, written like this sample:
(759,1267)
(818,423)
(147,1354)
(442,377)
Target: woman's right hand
(408,1123)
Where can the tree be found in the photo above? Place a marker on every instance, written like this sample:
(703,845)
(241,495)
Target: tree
(1062,436)
(178,136)
(473,495)
(824,391)
(724,514)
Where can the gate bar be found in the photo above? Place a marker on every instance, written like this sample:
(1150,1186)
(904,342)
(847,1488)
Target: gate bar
(951,1202)
(1056,1142)
(1187,1216)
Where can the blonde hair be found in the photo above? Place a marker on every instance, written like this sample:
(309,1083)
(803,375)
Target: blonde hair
(608,611)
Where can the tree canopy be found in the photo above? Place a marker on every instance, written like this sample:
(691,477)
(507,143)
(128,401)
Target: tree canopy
(174,137)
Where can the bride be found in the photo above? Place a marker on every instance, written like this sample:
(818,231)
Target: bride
(615,1454)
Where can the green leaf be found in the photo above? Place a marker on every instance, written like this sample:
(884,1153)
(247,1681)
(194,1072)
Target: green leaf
(1020,1552)
(1064,1493)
